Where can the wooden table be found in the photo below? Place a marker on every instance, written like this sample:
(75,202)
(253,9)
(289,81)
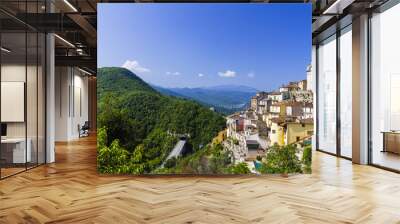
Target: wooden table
(391,141)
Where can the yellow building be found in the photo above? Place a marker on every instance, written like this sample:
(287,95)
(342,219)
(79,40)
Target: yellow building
(297,130)
(277,111)
(220,137)
(288,131)
(277,134)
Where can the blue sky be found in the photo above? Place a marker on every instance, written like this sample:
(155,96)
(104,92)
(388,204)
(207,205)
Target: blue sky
(194,45)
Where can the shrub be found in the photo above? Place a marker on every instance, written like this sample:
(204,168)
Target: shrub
(307,159)
(282,160)
(218,160)
(170,163)
(240,168)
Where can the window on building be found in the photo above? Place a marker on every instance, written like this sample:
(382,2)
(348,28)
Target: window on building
(289,111)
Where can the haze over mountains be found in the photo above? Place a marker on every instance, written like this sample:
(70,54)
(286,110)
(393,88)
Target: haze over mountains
(224,98)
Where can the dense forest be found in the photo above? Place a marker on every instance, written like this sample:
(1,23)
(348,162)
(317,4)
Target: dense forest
(138,128)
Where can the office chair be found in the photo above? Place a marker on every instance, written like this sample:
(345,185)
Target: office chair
(84,130)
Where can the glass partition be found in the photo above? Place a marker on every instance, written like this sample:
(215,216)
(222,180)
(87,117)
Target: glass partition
(22,101)
(14,153)
(327,95)
(385,89)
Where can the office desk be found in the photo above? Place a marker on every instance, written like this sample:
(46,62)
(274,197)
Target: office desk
(13,150)
(391,141)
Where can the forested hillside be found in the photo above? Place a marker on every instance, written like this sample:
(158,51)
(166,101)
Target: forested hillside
(138,126)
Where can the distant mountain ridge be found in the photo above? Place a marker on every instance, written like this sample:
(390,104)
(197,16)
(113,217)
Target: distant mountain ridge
(224,98)
(240,88)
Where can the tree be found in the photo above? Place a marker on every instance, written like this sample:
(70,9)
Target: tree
(282,159)
(113,158)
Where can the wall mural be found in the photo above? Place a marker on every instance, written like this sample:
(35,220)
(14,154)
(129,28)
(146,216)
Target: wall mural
(204,89)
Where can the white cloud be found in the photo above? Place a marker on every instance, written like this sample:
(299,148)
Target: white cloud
(200,74)
(173,73)
(227,74)
(251,75)
(135,67)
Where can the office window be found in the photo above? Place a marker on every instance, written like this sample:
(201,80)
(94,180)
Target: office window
(346,92)
(385,88)
(327,95)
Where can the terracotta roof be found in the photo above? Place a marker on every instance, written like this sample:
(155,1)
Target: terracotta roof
(302,121)
(277,120)
(290,86)
(274,93)
(307,121)
(307,104)
(234,116)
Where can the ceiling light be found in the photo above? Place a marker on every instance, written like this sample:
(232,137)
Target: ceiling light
(5,50)
(86,72)
(70,5)
(337,7)
(65,41)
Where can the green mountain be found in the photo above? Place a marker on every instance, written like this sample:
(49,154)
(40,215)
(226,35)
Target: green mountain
(146,123)
(119,80)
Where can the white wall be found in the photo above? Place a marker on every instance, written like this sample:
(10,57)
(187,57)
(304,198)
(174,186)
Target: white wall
(71,102)
(12,73)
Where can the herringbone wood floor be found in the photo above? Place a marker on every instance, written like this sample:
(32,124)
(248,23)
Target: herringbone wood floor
(70,191)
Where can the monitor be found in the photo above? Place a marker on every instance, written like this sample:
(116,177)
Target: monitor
(3,129)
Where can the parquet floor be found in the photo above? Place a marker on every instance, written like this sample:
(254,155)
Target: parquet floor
(70,191)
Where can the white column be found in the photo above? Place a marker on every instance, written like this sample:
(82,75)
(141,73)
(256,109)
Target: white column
(360,90)
(314,90)
(50,100)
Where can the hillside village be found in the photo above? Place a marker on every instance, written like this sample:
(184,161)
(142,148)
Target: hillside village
(282,117)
